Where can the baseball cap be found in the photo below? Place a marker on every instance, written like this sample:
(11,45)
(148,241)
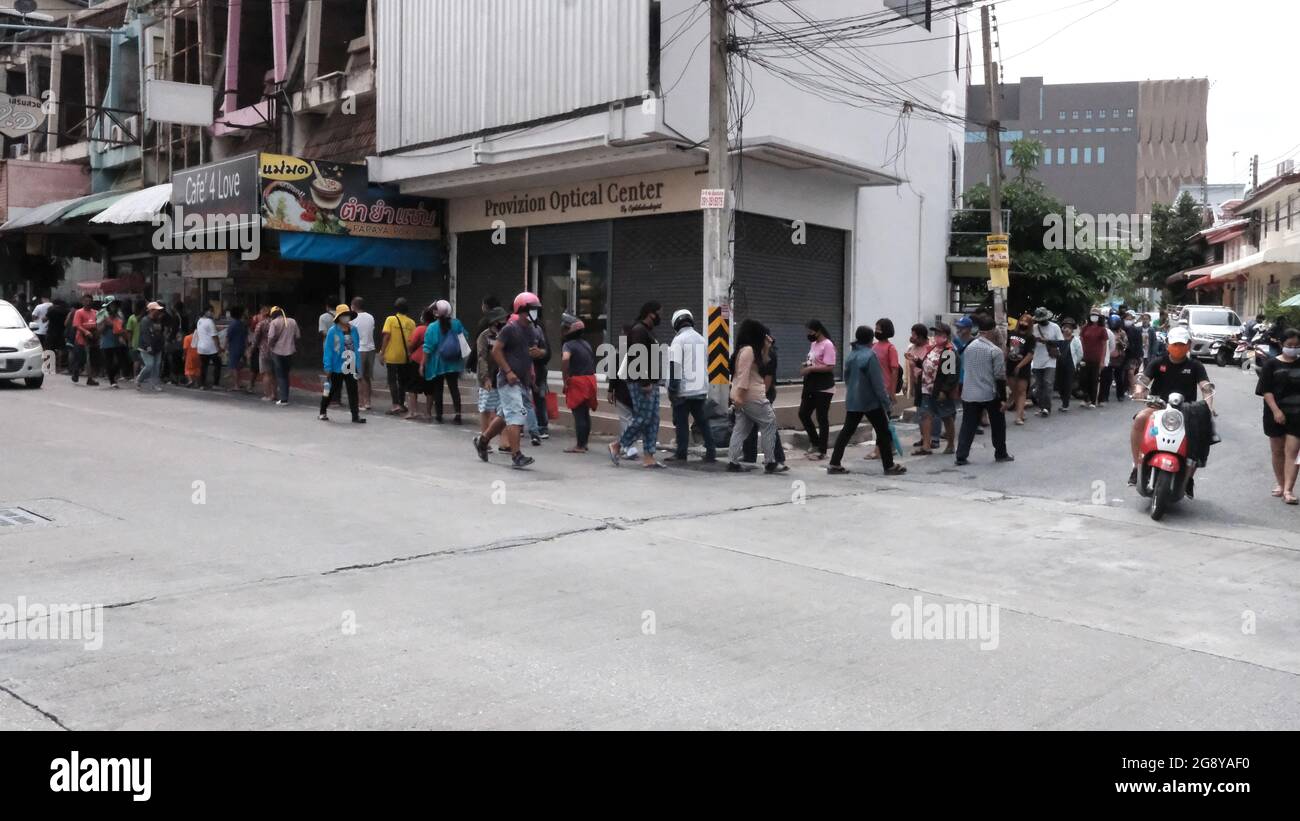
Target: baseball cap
(965,322)
(1179,336)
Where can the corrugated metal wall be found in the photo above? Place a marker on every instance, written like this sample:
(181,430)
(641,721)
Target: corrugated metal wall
(484,268)
(657,258)
(456,67)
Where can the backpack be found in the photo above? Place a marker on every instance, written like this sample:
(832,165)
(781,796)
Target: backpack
(947,377)
(449,347)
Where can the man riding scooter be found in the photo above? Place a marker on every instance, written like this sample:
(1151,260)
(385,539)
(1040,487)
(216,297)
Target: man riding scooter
(1176,372)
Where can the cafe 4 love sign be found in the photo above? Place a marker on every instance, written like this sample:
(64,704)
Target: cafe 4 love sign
(19,115)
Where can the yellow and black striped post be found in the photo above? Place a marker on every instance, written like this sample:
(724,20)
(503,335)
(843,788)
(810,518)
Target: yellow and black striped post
(719,347)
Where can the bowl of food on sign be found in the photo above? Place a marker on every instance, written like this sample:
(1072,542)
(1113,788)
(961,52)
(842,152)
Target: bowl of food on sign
(290,209)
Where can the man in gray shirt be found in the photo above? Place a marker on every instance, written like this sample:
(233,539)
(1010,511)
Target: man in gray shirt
(984,389)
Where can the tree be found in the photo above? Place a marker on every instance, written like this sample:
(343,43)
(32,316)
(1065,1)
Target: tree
(1025,156)
(1172,228)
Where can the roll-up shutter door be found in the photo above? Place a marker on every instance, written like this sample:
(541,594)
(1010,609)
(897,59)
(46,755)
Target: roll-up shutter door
(380,289)
(658,258)
(483,268)
(572,238)
(783,285)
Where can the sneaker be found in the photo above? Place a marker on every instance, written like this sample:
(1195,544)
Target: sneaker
(1133,478)
(281,404)
(114,386)
(92,383)
(961,463)
(456,420)
(776,467)
(520,461)
(543,435)
(323,418)
(1065,410)
(537,441)
(481,448)
(732,467)
(357,420)
(836,470)
(1007,458)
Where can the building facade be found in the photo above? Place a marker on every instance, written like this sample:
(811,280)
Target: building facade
(568,140)
(1108,148)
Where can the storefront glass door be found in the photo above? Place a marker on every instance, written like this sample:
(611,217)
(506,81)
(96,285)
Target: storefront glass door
(577,284)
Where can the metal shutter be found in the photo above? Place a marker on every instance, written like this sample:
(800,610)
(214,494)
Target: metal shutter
(657,258)
(783,285)
(484,269)
(380,289)
(573,238)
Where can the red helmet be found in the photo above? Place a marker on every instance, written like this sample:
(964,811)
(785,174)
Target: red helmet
(526,300)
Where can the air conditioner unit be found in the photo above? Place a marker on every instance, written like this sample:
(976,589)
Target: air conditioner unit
(1285,167)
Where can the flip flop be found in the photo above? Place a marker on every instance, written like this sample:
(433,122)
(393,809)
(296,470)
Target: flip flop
(1291,500)
(613,454)
(922,452)
(1277,492)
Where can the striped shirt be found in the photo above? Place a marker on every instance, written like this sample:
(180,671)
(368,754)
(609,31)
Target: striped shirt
(985,366)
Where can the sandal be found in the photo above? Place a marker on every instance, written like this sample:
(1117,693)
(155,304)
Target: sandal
(575,450)
(1291,499)
(922,452)
(895,470)
(837,470)
(1277,492)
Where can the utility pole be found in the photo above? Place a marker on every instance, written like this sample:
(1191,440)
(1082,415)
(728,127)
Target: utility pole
(718,268)
(995,158)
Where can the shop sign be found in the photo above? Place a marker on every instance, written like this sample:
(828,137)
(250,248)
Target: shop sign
(713,199)
(206,265)
(999,259)
(661,192)
(227,188)
(19,115)
(314,196)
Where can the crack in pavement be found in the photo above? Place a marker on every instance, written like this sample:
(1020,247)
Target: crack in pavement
(83,609)
(45,713)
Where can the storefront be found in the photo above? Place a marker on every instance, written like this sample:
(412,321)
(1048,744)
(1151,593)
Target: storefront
(602,249)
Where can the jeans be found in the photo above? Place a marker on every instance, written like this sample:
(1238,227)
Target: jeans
(539,405)
(754,414)
(213,360)
(820,402)
(151,372)
(337,382)
(970,420)
(645,419)
(685,409)
(1044,383)
(879,422)
(281,365)
(81,360)
(582,424)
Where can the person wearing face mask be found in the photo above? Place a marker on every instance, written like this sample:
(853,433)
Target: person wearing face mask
(1047,336)
(1133,356)
(511,353)
(818,389)
(1095,341)
(489,401)
(1279,385)
(1112,372)
(1176,372)
(643,388)
(342,362)
(1020,355)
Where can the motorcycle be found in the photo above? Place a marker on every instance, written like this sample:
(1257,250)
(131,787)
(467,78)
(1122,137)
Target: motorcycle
(1241,352)
(1222,350)
(1166,469)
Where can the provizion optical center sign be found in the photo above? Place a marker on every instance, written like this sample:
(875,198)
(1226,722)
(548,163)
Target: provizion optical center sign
(640,195)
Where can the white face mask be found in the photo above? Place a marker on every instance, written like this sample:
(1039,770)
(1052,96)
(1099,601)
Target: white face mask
(1294,353)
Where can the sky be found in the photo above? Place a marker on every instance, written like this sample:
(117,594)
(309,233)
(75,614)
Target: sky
(1247,49)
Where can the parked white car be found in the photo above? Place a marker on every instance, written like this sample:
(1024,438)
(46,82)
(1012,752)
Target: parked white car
(1208,324)
(20,350)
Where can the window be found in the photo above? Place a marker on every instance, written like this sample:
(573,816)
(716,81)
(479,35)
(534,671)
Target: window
(1130,113)
(1074,156)
(1087,115)
(1047,156)
(1101,155)
(1101,114)
(1087,156)
(954,175)
(917,11)
(1060,156)
(1062,117)
(1008,159)
(1060,131)
(1289,210)
(1033,131)
(1277,217)
(1114,131)
(1087,131)
(1115,113)
(1074,131)
(1074,115)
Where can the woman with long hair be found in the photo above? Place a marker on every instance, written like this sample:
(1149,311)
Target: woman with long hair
(444,358)
(749,396)
(818,389)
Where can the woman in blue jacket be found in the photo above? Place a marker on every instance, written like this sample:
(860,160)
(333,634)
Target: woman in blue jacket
(444,359)
(341,360)
(867,398)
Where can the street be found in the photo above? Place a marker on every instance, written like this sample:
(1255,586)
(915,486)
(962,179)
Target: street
(261,570)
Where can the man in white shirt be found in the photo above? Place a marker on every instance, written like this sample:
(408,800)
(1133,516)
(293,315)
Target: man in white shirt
(365,327)
(209,348)
(1046,336)
(688,385)
(42,324)
(326,320)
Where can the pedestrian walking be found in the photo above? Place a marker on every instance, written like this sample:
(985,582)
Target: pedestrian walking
(150,343)
(1094,340)
(1114,374)
(818,389)
(1066,363)
(489,304)
(397,359)
(688,386)
(1279,385)
(578,371)
(325,322)
(1134,355)
(539,419)
(767,370)
(1020,356)
(445,351)
(208,344)
(340,359)
(259,356)
(86,347)
(917,349)
(514,362)
(57,318)
(419,385)
(939,386)
(282,337)
(111,326)
(1047,338)
(643,388)
(887,356)
(364,324)
(984,394)
(193,362)
(866,397)
(133,338)
(749,398)
(237,346)
(40,315)
(489,398)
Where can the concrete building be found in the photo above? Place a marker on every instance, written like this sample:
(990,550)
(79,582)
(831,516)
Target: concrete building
(1264,263)
(568,141)
(1108,148)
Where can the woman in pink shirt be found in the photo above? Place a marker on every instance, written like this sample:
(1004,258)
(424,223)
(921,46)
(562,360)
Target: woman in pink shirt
(818,389)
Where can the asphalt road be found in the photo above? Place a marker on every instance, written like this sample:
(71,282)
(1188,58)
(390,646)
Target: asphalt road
(259,569)
(1061,457)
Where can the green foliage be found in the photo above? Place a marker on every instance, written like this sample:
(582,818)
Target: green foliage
(1025,156)
(1171,251)
(1272,309)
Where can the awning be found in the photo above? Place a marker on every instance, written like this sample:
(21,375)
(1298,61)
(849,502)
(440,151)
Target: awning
(1204,282)
(53,215)
(1280,259)
(139,206)
(365,251)
(1191,273)
(122,285)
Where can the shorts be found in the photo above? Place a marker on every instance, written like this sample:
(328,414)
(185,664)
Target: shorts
(513,408)
(1022,375)
(367,366)
(489,401)
(939,408)
(265,363)
(1273,430)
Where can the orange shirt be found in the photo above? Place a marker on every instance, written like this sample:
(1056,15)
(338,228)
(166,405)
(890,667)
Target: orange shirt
(192,366)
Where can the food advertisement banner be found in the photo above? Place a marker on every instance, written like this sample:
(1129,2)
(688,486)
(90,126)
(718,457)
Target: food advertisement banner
(337,199)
